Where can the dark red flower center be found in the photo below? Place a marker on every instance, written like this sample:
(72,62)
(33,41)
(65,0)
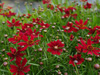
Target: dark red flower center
(89,47)
(20,69)
(81,25)
(30,42)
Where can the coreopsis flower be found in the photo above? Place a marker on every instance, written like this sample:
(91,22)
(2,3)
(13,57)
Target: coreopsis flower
(23,31)
(92,30)
(14,23)
(34,33)
(71,8)
(8,14)
(37,20)
(44,25)
(8,7)
(15,39)
(26,25)
(46,1)
(76,59)
(29,15)
(88,5)
(71,37)
(55,47)
(98,30)
(79,48)
(88,48)
(83,0)
(15,54)
(28,43)
(61,9)
(80,24)
(96,39)
(20,69)
(1,5)
(69,28)
(50,6)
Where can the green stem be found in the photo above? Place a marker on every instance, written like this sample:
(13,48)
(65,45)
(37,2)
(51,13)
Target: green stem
(77,72)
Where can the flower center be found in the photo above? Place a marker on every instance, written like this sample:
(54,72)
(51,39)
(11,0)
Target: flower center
(81,25)
(67,28)
(43,26)
(75,61)
(89,47)
(30,42)
(20,69)
(6,13)
(56,47)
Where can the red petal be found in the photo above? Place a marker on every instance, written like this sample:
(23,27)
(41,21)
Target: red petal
(24,62)
(13,20)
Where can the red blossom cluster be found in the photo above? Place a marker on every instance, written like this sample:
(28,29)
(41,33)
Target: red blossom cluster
(24,38)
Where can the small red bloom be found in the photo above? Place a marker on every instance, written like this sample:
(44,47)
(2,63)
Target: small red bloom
(8,14)
(55,47)
(15,39)
(46,1)
(20,69)
(44,25)
(88,5)
(15,54)
(50,6)
(80,24)
(98,30)
(96,39)
(92,30)
(69,28)
(76,59)
(83,0)
(88,48)
(14,23)
(34,33)
(71,37)
(26,25)
(28,43)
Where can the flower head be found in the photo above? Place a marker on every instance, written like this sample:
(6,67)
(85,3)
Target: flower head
(76,59)
(55,47)
(20,69)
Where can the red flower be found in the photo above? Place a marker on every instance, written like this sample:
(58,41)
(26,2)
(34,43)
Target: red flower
(98,29)
(88,5)
(71,37)
(15,39)
(76,59)
(23,31)
(28,43)
(83,0)
(46,1)
(92,30)
(44,25)
(14,23)
(8,14)
(88,48)
(96,39)
(15,54)
(69,28)
(26,25)
(1,5)
(55,47)
(34,33)
(20,69)
(50,6)
(80,24)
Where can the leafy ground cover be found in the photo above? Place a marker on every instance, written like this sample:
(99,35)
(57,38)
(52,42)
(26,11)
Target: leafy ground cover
(62,38)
